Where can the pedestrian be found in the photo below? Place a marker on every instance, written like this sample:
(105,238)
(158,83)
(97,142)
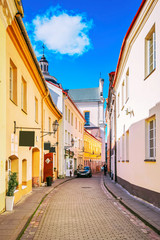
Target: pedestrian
(105,169)
(70,173)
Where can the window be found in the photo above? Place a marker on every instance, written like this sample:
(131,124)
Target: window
(127,85)
(152,138)
(36,110)
(24,95)
(76,122)
(123,148)
(122,95)
(71,137)
(69,140)
(127,145)
(118,103)
(87,118)
(119,149)
(69,114)
(65,112)
(79,144)
(72,119)
(44,118)
(13,82)
(76,142)
(150,52)
(66,136)
(49,124)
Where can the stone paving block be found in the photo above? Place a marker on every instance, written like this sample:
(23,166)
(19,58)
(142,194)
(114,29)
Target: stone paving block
(83,209)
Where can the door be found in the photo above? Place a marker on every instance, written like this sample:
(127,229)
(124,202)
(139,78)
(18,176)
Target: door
(48,165)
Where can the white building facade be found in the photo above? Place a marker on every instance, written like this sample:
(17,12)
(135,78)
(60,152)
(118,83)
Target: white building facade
(137,85)
(90,102)
(71,126)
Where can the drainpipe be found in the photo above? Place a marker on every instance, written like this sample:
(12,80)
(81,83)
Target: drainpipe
(42,127)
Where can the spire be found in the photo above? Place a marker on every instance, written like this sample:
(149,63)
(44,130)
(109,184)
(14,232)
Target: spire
(43,48)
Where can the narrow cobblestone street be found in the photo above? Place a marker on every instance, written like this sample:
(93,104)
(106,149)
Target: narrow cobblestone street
(83,209)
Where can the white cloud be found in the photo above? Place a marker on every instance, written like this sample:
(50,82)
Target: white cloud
(62,32)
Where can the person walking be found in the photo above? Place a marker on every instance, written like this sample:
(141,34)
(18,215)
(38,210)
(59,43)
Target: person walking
(105,169)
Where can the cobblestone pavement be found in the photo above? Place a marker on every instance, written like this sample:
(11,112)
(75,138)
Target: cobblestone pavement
(83,209)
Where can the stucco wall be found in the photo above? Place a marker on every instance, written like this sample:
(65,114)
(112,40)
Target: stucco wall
(2,113)
(143,96)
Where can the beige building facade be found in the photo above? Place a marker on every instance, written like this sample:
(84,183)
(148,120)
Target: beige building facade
(24,100)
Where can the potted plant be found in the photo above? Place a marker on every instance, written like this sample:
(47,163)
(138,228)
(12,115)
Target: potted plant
(12,184)
(49,180)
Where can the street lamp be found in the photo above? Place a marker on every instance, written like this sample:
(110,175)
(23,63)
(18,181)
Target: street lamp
(55,126)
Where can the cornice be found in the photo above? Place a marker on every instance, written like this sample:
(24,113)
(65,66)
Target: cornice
(6,13)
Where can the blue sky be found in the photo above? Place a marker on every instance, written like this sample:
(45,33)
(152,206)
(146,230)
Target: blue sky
(82,37)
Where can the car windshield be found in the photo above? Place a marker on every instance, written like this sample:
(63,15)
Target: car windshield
(86,168)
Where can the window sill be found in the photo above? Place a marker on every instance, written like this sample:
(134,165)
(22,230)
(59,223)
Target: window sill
(149,74)
(126,100)
(13,102)
(24,111)
(122,108)
(150,160)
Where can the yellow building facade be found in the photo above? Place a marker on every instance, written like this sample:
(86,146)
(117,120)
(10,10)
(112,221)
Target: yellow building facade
(92,152)
(25,105)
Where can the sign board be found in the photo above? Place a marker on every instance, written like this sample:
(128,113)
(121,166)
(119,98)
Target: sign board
(26,138)
(52,150)
(47,146)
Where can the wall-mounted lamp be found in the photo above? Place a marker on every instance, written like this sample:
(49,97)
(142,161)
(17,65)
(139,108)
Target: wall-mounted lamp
(55,126)
(131,112)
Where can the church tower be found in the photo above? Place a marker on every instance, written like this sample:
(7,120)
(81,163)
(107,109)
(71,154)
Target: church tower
(44,65)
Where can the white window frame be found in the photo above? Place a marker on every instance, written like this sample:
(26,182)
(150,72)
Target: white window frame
(154,139)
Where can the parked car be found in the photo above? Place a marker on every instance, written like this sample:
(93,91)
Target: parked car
(85,172)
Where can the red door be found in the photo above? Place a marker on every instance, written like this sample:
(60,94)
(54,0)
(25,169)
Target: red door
(48,165)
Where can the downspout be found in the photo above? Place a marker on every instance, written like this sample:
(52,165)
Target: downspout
(115,140)
(42,127)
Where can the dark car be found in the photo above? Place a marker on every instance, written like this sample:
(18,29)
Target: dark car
(85,172)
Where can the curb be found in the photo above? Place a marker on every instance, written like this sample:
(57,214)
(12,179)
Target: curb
(30,218)
(131,210)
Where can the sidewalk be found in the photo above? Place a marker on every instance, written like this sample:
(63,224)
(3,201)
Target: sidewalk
(12,223)
(149,214)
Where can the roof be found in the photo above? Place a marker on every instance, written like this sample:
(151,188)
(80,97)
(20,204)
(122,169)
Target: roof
(85,94)
(43,59)
(92,135)
(125,39)
(74,105)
